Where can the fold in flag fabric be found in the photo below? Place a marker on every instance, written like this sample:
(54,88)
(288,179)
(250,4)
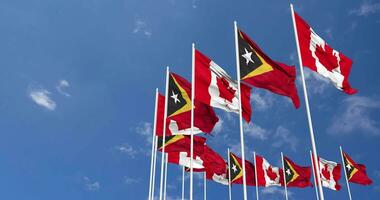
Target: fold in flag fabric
(179,110)
(330,173)
(181,143)
(258,70)
(321,58)
(356,173)
(236,171)
(267,175)
(295,175)
(183,159)
(214,87)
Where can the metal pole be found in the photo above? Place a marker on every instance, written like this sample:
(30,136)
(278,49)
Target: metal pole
(204,186)
(192,119)
(166,174)
(229,175)
(284,174)
(315,180)
(314,148)
(153,144)
(183,183)
(240,111)
(345,173)
(164,133)
(154,166)
(256,179)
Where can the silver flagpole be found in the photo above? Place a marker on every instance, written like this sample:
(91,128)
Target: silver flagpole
(315,180)
(183,183)
(314,148)
(154,166)
(285,183)
(229,175)
(240,112)
(166,174)
(153,144)
(204,186)
(256,181)
(192,119)
(164,133)
(345,173)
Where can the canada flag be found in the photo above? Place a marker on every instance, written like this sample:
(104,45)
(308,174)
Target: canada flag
(318,56)
(267,175)
(330,173)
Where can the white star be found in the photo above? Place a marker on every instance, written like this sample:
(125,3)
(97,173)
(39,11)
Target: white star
(175,97)
(288,172)
(348,167)
(234,167)
(247,56)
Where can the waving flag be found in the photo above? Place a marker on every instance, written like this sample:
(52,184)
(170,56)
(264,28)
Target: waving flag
(181,143)
(267,175)
(356,173)
(330,174)
(258,70)
(295,175)
(183,159)
(215,166)
(236,170)
(214,87)
(320,57)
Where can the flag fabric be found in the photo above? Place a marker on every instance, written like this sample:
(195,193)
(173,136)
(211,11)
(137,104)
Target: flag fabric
(295,175)
(214,87)
(160,114)
(356,173)
(181,143)
(236,171)
(179,110)
(267,175)
(330,174)
(318,56)
(258,70)
(215,166)
(184,159)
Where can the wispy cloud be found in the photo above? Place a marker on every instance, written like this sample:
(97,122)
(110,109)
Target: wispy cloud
(127,149)
(283,137)
(218,127)
(62,85)
(366,8)
(146,130)
(316,84)
(275,191)
(256,131)
(91,185)
(130,180)
(42,98)
(355,115)
(262,100)
(142,27)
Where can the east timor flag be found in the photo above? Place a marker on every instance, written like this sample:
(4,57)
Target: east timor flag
(181,143)
(356,173)
(258,70)
(296,176)
(236,171)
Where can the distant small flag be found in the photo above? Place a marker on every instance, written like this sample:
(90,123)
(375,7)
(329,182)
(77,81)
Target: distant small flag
(214,87)
(236,170)
(295,175)
(356,173)
(258,70)
(318,56)
(267,175)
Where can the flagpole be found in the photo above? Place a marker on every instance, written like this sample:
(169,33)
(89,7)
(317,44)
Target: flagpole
(154,166)
(204,186)
(153,141)
(315,180)
(229,175)
(256,181)
(285,183)
(192,118)
(240,112)
(166,174)
(345,173)
(314,148)
(164,133)
(183,182)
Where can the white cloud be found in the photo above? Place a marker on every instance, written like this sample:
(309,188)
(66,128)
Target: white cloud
(284,137)
(262,100)
(275,191)
(62,84)
(366,8)
(91,185)
(127,149)
(256,131)
(41,97)
(218,127)
(129,180)
(145,129)
(356,116)
(315,83)
(142,27)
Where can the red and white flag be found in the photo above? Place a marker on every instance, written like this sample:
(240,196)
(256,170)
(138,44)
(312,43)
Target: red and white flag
(267,175)
(321,58)
(214,87)
(330,173)
(183,158)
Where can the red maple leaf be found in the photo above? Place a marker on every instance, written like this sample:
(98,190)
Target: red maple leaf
(272,175)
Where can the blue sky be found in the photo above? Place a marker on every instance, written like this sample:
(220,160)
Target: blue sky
(78,78)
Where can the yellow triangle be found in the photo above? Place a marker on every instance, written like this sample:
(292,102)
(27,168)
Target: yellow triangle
(264,68)
(187,106)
